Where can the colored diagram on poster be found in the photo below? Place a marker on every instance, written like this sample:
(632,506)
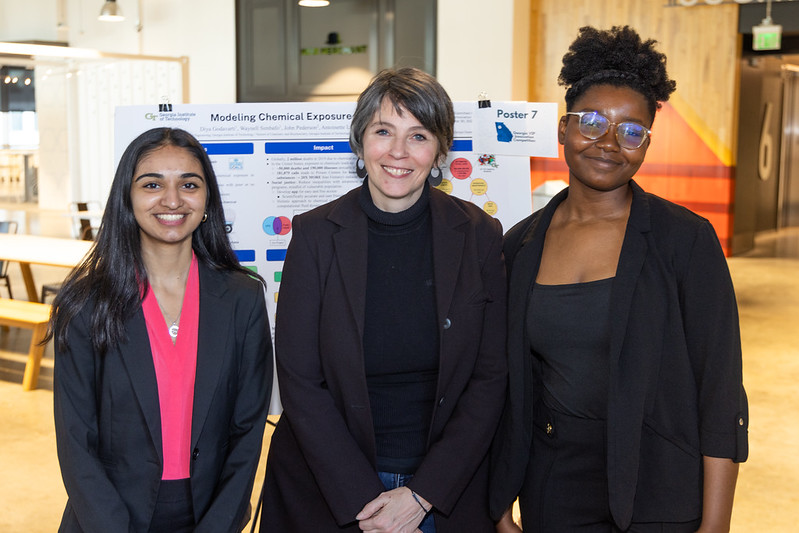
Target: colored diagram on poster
(277,225)
(480,179)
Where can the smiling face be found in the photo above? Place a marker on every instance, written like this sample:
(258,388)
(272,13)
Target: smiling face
(601,164)
(399,153)
(168,193)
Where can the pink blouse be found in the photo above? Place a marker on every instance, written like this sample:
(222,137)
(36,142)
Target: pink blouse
(175,366)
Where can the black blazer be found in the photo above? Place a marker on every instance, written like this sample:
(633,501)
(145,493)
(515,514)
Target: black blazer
(321,465)
(107,418)
(675,383)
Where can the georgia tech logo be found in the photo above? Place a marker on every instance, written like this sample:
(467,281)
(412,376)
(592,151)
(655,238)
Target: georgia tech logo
(151,116)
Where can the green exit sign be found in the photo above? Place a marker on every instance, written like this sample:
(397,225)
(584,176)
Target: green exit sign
(766,37)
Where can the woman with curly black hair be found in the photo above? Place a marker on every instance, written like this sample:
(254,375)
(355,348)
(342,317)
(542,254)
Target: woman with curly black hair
(626,409)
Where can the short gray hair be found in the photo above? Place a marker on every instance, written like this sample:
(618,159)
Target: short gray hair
(411,89)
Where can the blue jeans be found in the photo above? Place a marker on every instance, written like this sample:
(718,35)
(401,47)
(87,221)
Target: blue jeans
(394,481)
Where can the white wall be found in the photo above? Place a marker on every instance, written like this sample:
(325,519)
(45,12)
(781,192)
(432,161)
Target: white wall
(76,137)
(28,20)
(475,48)
(202,30)
(55,142)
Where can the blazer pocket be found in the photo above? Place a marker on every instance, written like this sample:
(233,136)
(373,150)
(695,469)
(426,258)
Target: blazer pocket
(663,434)
(669,480)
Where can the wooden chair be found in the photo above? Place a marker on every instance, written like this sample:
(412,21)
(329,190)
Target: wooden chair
(84,229)
(6,226)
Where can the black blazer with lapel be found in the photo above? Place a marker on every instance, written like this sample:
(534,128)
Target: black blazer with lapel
(108,425)
(321,464)
(675,380)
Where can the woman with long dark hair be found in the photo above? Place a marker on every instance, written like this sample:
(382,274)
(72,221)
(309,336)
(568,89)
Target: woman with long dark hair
(163,361)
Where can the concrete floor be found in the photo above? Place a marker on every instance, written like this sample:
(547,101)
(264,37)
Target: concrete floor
(32,496)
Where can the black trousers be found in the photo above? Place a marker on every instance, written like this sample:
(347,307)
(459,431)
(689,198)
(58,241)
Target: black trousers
(174,512)
(566,487)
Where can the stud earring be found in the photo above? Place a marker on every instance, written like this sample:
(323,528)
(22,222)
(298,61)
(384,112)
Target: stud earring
(435,177)
(360,168)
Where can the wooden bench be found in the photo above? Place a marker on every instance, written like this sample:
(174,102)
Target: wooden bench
(29,315)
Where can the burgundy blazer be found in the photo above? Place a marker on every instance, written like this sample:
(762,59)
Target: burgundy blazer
(321,465)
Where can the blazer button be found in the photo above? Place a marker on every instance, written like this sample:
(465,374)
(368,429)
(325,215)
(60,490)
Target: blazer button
(447,323)
(196,453)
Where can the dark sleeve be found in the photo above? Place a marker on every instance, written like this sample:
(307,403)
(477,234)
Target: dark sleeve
(94,499)
(453,459)
(344,475)
(710,317)
(233,490)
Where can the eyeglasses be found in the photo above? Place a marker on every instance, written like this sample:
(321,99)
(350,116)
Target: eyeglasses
(593,125)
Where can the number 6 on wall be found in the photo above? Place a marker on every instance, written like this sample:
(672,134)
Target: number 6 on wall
(765,159)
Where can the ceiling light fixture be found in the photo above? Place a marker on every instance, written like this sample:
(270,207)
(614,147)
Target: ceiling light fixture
(314,3)
(110,12)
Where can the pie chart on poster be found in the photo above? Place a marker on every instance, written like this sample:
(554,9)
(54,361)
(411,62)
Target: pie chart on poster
(277,225)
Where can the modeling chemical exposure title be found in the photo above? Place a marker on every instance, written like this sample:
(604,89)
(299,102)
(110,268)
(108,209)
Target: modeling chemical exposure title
(269,117)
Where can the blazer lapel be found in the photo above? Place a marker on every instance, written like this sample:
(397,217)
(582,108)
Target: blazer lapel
(138,360)
(523,266)
(631,260)
(627,380)
(447,250)
(526,258)
(216,315)
(350,251)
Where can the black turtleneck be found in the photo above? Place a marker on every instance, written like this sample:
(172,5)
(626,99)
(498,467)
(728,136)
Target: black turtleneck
(400,331)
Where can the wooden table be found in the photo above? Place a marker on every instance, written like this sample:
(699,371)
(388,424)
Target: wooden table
(30,250)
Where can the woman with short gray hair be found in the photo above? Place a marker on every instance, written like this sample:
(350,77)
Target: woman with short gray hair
(390,337)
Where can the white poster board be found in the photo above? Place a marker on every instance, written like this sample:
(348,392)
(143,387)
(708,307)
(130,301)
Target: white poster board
(276,160)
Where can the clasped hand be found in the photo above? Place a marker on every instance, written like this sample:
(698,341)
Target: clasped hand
(394,511)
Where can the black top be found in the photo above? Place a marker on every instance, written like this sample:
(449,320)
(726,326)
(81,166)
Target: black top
(400,332)
(567,326)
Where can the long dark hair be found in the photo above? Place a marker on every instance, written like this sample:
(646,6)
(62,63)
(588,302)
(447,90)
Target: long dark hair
(112,275)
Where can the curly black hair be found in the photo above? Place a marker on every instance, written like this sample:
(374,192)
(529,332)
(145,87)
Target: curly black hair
(615,57)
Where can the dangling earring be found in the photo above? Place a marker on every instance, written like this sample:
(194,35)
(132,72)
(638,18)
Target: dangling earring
(205,217)
(435,177)
(360,168)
